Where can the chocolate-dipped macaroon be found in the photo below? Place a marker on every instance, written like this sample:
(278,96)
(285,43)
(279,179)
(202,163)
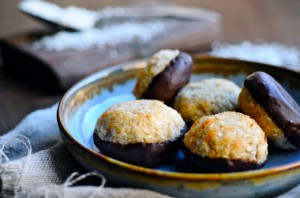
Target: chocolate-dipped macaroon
(166,72)
(278,114)
(141,132)
(225,142)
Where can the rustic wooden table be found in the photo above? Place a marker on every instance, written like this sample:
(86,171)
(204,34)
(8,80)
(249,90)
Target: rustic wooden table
(269,20)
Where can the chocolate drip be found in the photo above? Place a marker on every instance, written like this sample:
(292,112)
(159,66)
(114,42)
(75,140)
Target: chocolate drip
(165,85)
(143,154)
(219,165)
(277,102)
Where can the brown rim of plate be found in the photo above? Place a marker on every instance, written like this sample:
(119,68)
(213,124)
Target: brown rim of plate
(167,174)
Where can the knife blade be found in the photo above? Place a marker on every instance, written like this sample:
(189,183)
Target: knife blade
(78,19)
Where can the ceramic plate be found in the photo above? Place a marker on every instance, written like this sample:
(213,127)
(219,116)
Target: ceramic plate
(87,100)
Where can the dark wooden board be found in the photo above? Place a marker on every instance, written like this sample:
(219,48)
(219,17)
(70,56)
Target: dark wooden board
(60,70)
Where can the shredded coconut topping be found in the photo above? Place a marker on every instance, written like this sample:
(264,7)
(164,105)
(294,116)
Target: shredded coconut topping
(228,135)
(206,97)
(139,121)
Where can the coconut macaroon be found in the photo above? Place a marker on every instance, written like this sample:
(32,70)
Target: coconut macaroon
(142,132)
(166,72)
(266,101)
(226,142)
(206,97)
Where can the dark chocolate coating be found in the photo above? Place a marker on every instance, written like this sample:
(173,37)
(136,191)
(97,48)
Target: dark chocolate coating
(277,102)
(167,83)
(219,164)
(142,154)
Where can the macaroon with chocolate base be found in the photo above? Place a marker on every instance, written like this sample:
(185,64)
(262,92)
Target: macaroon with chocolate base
(277,113)
(166,72)
(225,142)
(141,132)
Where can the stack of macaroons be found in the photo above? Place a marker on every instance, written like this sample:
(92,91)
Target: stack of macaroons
(148,132)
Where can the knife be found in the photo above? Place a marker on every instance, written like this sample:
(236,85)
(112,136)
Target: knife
(78,19)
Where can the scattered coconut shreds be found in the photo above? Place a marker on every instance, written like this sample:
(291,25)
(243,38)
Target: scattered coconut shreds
(89,36)
(111,35)
(270,53)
